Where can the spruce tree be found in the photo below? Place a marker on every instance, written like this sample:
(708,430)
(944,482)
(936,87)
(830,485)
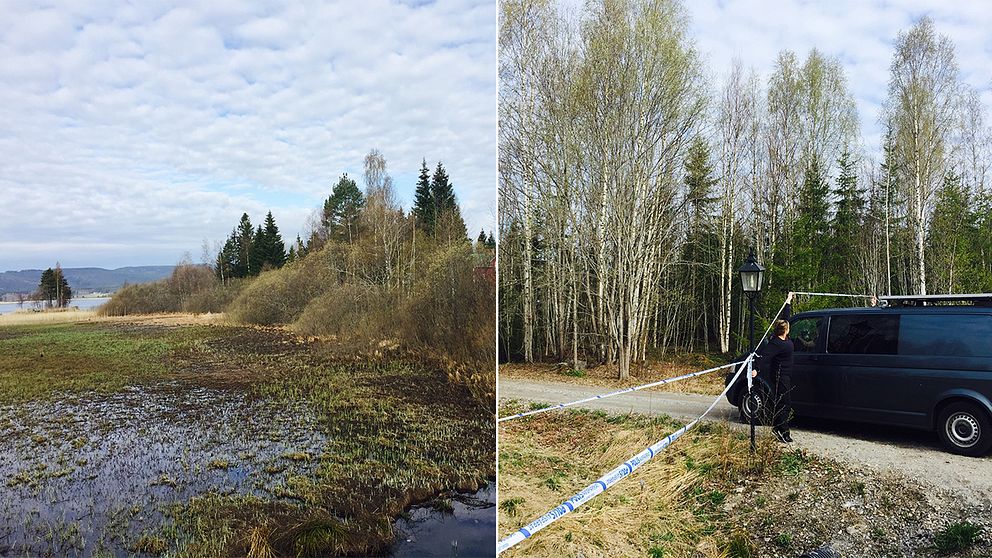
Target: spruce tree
(227,258)
(442,191)
(46,287)
(845,227)
(259,251)
(245,240)
(275,248)
(491,241)
(53,288)
(63,294)
(699,252)
(301,247)
(951,241)
(448,222)
(423,200)
(983,240)
(341,210)
(810,233)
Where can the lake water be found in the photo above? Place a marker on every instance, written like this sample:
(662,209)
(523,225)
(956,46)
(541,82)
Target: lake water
(81,303)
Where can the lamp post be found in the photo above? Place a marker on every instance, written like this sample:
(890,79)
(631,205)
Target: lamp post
(752,277)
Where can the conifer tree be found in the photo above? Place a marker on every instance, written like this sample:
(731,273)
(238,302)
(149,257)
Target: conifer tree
(259,247)
(442,191)
(809,237)
(227,258)
(46,287)
(448,223)
(700,243)
(951,240)
(983,240)
(423,200)
(339,217)
(245,239)
(53,288)
(845,227)
(275,248)
(63,294)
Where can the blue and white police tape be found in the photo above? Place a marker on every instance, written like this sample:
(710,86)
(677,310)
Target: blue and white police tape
(621,392)
(611,478)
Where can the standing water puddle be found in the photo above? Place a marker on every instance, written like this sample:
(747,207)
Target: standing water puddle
(92,472)
(466,528)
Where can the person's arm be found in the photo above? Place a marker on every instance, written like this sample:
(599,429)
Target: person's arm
(787,310)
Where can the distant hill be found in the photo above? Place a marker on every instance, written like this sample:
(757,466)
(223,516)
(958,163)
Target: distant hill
(85,279)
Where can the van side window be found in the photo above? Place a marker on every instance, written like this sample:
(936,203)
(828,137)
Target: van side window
(946,335)
(804,334)
(863,334)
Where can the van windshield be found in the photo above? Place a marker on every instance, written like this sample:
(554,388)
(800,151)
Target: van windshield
(946,335)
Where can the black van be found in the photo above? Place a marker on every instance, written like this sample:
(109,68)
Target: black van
(921,362)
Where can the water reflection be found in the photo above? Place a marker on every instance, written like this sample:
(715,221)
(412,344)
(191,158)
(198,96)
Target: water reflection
(462,525)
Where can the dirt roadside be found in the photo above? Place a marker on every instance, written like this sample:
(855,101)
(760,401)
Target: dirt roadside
(913,455)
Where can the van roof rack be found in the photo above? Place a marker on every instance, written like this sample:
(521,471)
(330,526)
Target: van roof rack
(977,299)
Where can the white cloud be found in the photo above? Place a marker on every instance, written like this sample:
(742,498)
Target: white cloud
(130,133)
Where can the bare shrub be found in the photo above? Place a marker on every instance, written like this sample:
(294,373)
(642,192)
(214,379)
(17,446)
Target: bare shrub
(354,311)
(188,279)
(280,296)
(453,309)
(215,297)
(143,298)
(190,288)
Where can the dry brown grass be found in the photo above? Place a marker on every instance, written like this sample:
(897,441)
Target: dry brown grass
(671,506)
(169,319)
(50,317)
(606,376)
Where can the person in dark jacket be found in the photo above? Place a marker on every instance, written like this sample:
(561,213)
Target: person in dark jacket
(775,361)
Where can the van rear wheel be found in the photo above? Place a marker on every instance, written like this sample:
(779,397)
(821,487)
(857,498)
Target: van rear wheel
(966,429)
(756,402)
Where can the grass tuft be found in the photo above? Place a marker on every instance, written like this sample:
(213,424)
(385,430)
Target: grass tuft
(147,544)
(957,537)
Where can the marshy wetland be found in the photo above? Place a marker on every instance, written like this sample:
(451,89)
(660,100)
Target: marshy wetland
(155,437)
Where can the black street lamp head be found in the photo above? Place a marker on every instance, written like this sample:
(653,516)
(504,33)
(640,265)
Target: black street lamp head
(752,275)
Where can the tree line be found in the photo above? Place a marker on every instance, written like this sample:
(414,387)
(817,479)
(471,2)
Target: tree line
(370,271)
(249,251)
(632,187)
(365,270)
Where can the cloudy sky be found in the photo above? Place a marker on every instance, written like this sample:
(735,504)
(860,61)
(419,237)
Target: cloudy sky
(130,132)
(861,33)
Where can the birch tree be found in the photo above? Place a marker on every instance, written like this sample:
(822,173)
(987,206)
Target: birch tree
(736,113)
(642,100)
(924,96)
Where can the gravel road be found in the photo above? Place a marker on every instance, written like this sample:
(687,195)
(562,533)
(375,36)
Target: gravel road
(902,452)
